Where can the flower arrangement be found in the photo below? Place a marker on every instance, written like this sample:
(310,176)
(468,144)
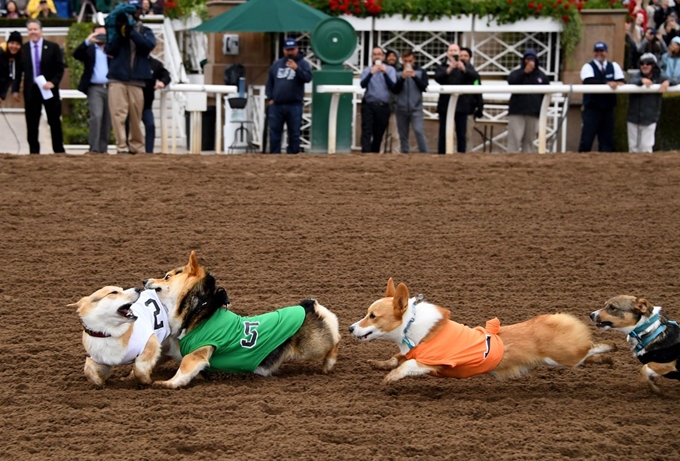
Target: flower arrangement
(503,11)
(177,9)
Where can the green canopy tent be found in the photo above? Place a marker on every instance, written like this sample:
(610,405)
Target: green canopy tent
(266,16)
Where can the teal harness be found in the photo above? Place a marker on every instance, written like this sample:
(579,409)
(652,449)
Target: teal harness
(643,337)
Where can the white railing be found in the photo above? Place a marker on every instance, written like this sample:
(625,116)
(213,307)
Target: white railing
(457,90)
(195,117)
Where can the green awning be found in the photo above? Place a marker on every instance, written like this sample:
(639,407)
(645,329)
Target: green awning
(266,16)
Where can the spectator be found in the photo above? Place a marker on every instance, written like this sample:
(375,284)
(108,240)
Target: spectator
(635,8)
(95,84)
(644,108)
(10,62)
(161,79)
(453,71)
(651,9)
(653,43)
(524,109)
(64,8)
(634,34)
(130,44)
(670,61)
(661,13)
(12,11)
(598,109)
(391,141)
(411,82)
(44,59)
(379,81)
(477,105)
(285,90)
(146,8)
(35,8)
(670,28)
(46,11)
(157,6)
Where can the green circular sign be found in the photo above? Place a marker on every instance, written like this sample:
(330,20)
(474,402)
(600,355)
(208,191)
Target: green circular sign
(334,40)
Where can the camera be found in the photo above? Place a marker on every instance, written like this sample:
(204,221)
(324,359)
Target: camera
(101,38)
(378,62)
(456,57)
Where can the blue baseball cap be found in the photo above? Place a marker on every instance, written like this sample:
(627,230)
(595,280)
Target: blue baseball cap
(137,3)
(600,46)
(289,44)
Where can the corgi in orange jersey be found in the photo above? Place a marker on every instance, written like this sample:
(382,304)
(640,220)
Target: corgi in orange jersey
(430,343)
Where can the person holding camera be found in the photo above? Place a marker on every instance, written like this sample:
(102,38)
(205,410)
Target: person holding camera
(454,71)
(285,90)
(379,81)
(477,100)
(130,43)
(653,43)
(524,109)
(95,84)
(411,82)
(391,139)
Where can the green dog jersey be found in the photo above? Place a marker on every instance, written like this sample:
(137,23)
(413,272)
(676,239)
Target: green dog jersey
(242,343)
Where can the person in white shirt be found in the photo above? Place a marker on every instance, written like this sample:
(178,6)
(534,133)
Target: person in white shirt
(598,109)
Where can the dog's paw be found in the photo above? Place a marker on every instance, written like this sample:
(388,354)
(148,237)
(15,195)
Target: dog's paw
(392,377)
(162,385)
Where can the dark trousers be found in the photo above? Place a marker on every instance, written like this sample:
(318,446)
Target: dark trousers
(460,121)
(597,122)
(374,120)
(149,129)
(34,103)
(291,115)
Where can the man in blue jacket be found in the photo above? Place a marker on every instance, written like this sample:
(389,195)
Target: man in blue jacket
(94,83)
(129,46)
(285,90)
(524,109)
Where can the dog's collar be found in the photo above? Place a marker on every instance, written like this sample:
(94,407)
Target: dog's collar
(648,331)
(94,334)
(406,339)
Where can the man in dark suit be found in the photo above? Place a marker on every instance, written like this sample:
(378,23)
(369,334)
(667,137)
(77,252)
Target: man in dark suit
(94,83)
(41,58)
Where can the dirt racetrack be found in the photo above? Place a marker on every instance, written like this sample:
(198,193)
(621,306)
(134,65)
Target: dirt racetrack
(483,235)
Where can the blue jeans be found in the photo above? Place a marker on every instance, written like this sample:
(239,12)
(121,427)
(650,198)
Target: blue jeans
(150,128)
(291,115)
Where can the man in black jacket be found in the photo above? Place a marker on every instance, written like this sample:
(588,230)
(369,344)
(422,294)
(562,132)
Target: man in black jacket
(454,71)
(41,59)
(95,84)
(161,79)
(524,109)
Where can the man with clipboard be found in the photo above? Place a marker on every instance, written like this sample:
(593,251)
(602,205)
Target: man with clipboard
(43,68)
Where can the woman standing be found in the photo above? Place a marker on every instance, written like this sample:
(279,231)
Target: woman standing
(10,61)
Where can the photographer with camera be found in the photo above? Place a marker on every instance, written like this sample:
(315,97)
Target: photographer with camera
(653,43)
(411,82)
(95,84)
(129,44)
(453,71)
(285,90)
(379,81)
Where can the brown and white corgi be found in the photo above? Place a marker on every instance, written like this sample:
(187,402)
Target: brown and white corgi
(654,338)
(212,336)
(430,343)
(122,327)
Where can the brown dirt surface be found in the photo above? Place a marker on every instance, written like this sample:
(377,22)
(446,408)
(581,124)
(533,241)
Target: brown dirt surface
(483,235)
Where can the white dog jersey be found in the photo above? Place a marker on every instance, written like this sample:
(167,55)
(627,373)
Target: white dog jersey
(152,318)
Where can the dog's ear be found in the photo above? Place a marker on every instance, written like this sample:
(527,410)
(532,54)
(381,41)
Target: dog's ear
(192,265)
(400,300)
(643,306)
(390,288)
(74,305)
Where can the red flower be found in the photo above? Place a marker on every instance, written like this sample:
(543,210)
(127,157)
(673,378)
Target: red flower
(579,6)
(565,18)
(531,4)
(566,7)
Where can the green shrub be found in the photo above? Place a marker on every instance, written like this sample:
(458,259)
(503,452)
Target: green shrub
(75,119)
(667,133)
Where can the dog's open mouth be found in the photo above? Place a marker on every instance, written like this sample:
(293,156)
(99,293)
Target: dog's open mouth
(126,311)
(603,325)
(364,337)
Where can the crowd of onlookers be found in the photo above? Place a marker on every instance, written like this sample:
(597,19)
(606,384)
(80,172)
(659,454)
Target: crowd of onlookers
(66,9)
(119,79)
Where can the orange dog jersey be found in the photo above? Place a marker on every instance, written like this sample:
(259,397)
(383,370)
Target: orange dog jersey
(464,351)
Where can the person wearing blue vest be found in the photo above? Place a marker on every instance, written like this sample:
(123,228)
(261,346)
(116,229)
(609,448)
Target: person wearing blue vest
(379,81)
(285,90)
(598,109)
